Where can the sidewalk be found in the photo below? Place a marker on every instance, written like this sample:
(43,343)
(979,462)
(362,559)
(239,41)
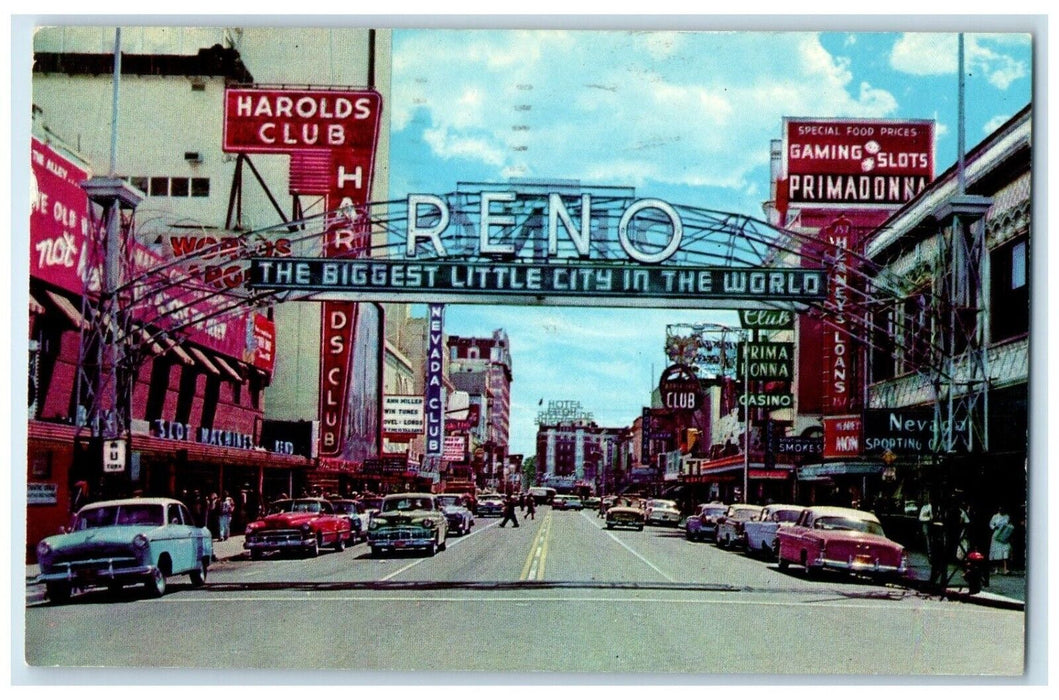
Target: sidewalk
(1004,590)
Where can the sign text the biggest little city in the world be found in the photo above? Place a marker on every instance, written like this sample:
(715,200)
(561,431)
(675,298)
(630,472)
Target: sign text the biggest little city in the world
(508,276)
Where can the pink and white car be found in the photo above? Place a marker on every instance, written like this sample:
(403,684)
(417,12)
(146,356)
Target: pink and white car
(842,539)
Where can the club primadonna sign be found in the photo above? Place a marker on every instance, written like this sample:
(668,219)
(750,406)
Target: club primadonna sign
(437,264)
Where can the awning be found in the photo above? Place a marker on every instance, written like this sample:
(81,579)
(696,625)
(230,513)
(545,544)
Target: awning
(204,361)
(35,307)
(156,349)
(227,369)
(173,347)
(818,472)
(67,307)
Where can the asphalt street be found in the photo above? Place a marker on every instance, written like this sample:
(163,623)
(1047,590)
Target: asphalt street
(560,594)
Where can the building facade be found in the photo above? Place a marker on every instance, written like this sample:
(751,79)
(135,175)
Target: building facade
(222,396)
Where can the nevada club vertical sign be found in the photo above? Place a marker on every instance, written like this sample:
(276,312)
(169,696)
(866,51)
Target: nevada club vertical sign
(435,390)
(330,136)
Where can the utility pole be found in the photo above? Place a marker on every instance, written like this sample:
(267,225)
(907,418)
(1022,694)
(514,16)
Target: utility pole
(106,357)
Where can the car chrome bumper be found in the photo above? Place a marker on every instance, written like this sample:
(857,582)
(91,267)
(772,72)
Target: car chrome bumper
(274,542)
(96,571)
(861,567)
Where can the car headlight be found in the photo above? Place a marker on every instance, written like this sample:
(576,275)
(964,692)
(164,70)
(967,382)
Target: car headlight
(139,542)
(374,524)
(43,549)
(251,527)
(306,529)
(428,523)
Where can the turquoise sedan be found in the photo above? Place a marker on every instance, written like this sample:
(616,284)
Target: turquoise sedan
(134,540)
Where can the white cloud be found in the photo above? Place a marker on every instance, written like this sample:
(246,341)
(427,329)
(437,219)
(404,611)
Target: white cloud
(694,109)
(938,54)
(924,54)
(995,123)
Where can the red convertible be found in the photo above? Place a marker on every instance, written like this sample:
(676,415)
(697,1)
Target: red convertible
(842,539)
(299,524)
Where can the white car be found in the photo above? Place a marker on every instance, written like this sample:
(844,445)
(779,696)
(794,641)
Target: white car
(661,512)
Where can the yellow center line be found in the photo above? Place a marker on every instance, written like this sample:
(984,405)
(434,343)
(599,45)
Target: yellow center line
(534,560)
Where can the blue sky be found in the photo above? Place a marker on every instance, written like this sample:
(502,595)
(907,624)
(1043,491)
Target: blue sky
(683,116)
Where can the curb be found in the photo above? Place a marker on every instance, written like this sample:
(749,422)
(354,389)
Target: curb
(989,600)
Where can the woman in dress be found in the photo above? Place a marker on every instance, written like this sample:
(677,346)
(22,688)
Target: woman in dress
(1000,542)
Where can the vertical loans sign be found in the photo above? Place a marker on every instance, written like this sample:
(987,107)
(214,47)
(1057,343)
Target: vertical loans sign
(840,365)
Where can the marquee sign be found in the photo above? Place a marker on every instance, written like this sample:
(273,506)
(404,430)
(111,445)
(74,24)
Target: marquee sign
(403,415)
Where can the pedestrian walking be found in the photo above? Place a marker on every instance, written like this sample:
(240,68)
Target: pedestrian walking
(213,515)
(1000,543)
(926,517)
(531,508)
(509,512)
(224,520)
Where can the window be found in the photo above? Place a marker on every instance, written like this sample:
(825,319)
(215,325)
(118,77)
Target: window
(161,186)
(883,345)
(161,369)
(210,400)
(188,381)
(916,330)
(1009,303)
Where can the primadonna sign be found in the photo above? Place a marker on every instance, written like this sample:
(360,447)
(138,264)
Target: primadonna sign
(843,162)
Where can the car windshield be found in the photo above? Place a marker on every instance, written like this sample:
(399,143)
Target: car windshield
(345,508)
(126,514)
(714,510)
(375,503)
(836,522)
(743,513)
(786,516)
(391,505)
(663,504)
(448,500)
(296,506)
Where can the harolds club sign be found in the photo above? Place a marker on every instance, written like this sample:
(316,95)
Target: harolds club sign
(330,135)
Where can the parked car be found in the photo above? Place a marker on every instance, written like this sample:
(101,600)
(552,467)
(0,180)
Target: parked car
(564,502)
(842,539)
(542,495)
(370,505)
(303,525)
(626,512)
(490,507)
(701,525)
(662,512)
(135,540)
(760,534)
(358,521)
(408,521)
(730,525)
(591,503)
(460,517)
(605,504)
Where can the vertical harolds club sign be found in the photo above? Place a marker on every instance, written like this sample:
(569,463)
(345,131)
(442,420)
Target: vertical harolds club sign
(330,135)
